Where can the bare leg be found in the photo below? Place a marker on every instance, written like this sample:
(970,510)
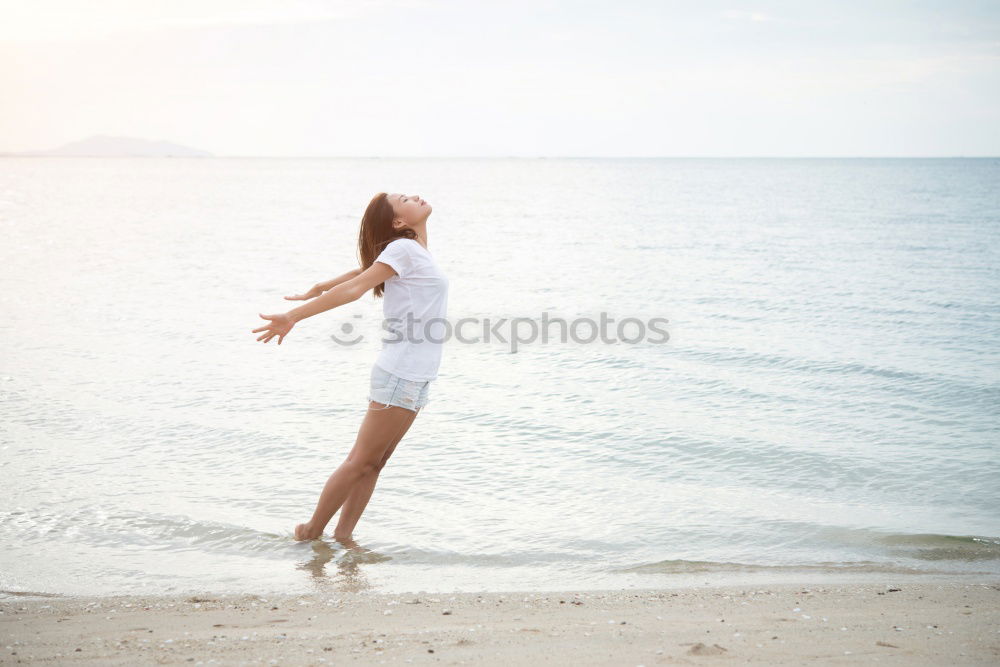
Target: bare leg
(376,434)
(362,490)
(350,513)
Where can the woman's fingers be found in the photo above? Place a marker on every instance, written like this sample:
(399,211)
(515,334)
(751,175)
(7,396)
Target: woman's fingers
(271,329)
(266,326)
(297,297)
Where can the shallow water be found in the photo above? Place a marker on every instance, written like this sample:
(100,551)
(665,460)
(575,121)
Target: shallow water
(827,401)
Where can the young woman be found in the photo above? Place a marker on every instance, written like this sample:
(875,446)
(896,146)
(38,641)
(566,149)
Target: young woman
(392,245)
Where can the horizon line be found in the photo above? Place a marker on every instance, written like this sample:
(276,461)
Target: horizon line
(15,154)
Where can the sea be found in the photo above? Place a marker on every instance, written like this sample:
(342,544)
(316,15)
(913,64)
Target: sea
(753,370)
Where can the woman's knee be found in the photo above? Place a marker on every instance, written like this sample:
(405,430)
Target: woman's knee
(371,467)
(361,467)
(379,434)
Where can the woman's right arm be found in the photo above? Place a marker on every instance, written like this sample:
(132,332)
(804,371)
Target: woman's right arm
(319,288)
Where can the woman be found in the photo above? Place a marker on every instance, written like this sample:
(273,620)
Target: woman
(392,245)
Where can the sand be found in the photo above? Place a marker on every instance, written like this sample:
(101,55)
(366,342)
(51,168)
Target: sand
(924,623)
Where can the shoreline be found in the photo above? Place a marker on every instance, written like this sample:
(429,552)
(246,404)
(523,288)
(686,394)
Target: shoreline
(926,622)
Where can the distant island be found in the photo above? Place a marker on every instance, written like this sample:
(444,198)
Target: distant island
(105,146)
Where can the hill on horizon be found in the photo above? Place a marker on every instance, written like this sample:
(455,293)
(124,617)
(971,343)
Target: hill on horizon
(101,145)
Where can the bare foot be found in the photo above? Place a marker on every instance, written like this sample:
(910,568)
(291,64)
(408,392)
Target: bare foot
(304,531)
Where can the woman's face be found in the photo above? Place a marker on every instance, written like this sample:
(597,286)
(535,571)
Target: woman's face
(411,209)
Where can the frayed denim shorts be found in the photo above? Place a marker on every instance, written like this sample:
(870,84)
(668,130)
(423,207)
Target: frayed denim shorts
(391,389)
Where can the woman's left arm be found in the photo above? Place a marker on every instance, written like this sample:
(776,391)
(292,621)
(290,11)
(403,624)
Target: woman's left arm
(319,288)
(281,323)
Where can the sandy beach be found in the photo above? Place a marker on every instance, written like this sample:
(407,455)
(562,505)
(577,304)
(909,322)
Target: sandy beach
(910,623)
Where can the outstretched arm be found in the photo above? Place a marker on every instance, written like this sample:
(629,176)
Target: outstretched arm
(345,292)
(319,288)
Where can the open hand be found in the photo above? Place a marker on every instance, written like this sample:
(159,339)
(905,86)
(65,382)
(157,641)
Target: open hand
(279,326)
(314,292)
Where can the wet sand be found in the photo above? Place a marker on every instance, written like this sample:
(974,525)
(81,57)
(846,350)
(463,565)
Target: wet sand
(912,624)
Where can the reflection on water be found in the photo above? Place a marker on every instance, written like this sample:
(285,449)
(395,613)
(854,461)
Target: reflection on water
(346,573)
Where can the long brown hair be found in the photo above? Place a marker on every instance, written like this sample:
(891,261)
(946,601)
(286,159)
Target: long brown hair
(377,231)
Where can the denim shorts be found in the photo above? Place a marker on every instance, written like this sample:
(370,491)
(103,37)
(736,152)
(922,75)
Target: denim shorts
(391,389)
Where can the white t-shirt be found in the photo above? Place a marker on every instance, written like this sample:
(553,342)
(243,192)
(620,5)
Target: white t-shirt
(415,300)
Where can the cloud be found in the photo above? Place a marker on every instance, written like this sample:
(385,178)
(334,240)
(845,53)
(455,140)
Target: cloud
(60,20)
(738,15)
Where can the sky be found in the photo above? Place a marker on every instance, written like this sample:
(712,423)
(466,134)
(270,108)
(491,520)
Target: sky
(486,78)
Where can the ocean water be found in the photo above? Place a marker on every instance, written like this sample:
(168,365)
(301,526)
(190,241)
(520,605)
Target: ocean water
(826,405)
